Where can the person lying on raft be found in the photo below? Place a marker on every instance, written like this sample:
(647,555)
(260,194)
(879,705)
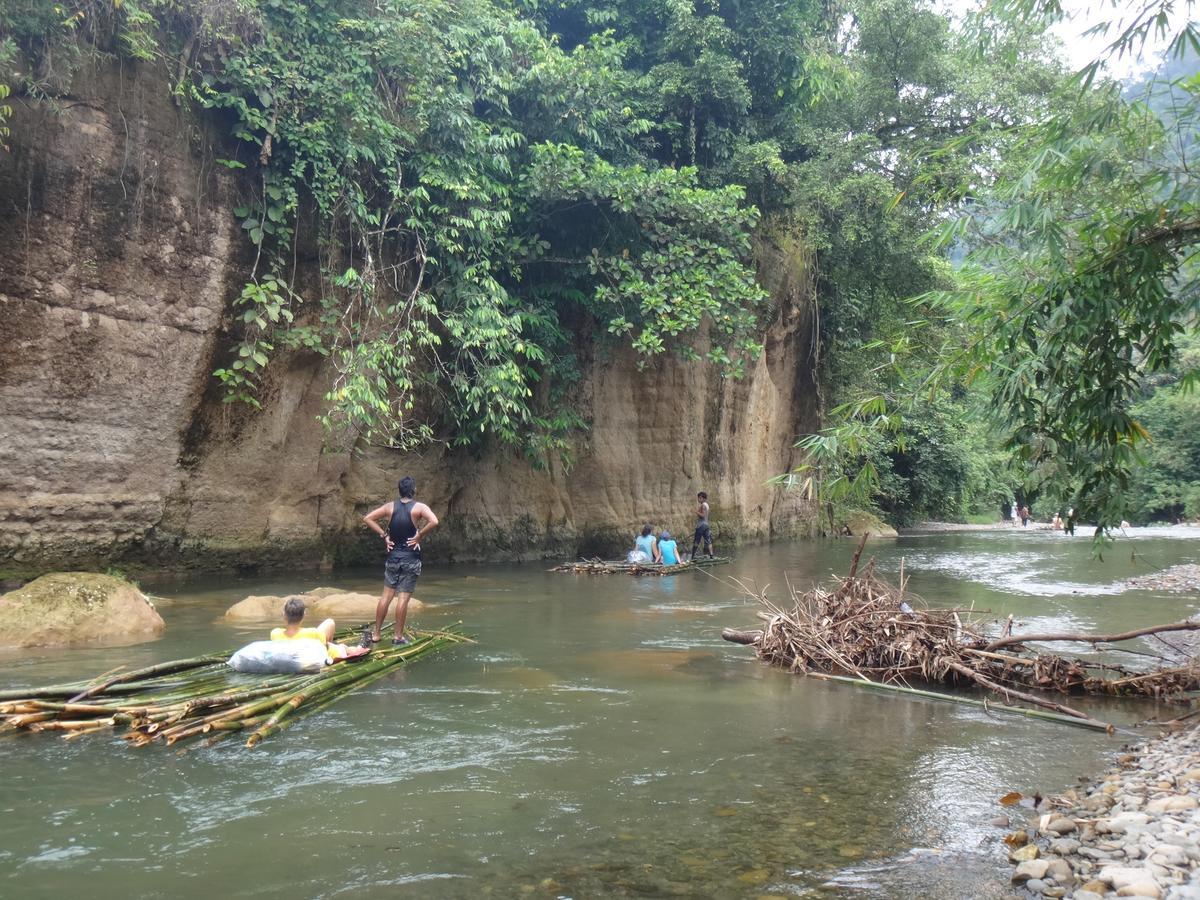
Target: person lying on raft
(293,615)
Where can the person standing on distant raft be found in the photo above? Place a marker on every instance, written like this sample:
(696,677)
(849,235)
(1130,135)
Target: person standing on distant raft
(703,532)
(402,537)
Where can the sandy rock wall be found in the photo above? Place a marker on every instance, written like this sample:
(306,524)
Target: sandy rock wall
(120,259)
(118,254)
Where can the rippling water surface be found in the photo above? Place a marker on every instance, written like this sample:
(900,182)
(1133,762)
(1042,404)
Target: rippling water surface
(599,740)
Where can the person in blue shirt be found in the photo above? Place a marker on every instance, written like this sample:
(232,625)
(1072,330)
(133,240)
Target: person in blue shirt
(668,552)
(646,544)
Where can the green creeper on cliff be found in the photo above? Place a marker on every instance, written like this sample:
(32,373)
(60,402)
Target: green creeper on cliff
(471,190)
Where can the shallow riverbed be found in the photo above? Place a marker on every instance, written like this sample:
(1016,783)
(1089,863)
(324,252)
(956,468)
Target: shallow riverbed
(599,740)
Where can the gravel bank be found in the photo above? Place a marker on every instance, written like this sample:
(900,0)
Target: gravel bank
(1182,579)
(1133,833)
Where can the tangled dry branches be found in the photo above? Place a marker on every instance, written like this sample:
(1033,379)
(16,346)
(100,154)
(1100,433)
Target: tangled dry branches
(867,628)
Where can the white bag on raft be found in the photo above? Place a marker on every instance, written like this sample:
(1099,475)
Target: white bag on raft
(280,657)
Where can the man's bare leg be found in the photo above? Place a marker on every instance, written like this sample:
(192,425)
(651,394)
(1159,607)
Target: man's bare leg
(402,611)
(381,611)
(327,628)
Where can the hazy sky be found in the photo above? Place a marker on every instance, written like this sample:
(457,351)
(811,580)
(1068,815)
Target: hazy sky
(1079,50)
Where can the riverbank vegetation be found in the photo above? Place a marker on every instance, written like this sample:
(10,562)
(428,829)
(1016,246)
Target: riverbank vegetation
(1073,289)
(998,252)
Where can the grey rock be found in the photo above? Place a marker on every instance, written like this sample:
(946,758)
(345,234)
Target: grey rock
(1061,825)
(1064,846)
(1060,871)
(1030,869)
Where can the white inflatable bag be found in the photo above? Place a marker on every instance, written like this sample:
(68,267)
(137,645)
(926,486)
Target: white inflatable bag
(280,657)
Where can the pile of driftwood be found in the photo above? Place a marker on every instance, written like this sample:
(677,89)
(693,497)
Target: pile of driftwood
(869,630)
(598,566)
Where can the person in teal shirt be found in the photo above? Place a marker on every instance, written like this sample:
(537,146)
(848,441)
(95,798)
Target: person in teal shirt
(647,545)
(668,552)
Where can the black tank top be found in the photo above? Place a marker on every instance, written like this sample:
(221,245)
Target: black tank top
(401,528)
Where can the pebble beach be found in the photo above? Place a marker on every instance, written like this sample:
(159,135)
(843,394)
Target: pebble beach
(1135,832)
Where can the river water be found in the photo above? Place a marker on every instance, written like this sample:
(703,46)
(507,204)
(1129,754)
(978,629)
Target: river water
(600,740)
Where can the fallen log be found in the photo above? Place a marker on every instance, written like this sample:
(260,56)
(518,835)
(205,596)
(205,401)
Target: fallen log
(741,637)
(1010,639)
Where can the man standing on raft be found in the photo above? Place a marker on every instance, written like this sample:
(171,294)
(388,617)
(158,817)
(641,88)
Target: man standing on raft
(703,532)
(403,540)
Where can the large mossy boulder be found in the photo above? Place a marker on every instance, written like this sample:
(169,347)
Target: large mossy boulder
(859,522)
(70,609)
(345,607)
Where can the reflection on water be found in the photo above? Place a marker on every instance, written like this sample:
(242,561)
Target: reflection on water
(599,740)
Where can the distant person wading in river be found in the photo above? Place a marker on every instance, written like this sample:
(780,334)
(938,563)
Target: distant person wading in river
(402,537)
(703,532)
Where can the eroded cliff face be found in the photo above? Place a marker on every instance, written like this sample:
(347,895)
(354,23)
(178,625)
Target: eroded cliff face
(120,258)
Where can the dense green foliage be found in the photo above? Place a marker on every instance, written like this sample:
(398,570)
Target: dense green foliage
(1078,282)
(1166,488)
(483,182)
(472,192)
(489,187)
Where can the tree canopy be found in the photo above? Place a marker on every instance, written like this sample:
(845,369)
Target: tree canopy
(484,183)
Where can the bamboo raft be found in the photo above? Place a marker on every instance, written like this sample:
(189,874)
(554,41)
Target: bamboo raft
(597,566)
(872,633)
(189,698)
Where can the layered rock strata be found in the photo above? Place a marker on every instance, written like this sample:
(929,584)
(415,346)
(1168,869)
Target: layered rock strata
(121,259)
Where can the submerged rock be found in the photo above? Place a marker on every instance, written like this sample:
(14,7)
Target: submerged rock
(69,609)
(321,603)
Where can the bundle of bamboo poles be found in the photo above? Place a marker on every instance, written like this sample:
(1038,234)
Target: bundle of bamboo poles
(187,698)
(598,566)
(869,630)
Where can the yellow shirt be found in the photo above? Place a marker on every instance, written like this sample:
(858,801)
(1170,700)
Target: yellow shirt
(280,634)
(333,651)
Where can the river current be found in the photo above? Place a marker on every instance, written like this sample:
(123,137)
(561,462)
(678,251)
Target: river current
(600,740)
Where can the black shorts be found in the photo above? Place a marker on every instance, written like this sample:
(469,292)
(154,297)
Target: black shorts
(401,573)
(703,534)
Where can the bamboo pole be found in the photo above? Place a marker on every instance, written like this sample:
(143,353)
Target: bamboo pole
(175,700)
(266,731)
(950,698)
(178,665)
(986,682)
